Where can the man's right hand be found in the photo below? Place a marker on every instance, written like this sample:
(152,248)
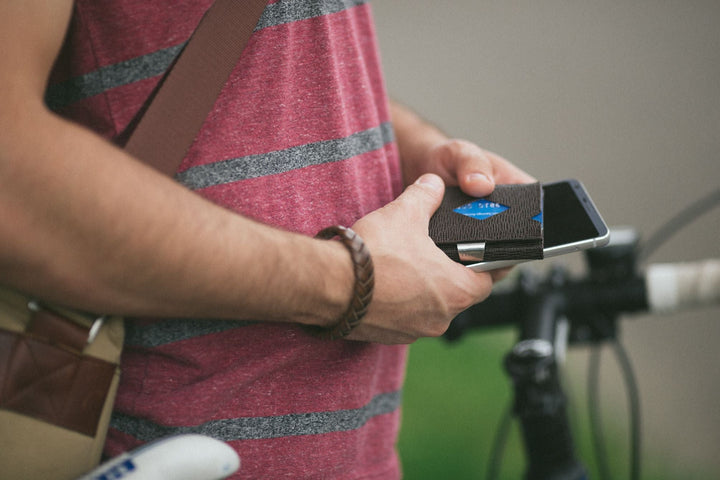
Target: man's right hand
(418,289)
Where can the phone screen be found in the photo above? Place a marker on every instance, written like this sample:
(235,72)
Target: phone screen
(568,215)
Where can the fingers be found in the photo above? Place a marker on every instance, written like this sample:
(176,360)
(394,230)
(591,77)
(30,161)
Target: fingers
(507,172)
(424,196)
(431,184)
(500,274)
(474,169)
(466,165)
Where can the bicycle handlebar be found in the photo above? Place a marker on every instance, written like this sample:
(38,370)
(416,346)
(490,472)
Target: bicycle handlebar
(662,288)
(591,305)
(672,287)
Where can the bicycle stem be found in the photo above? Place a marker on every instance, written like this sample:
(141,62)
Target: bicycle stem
(539,403)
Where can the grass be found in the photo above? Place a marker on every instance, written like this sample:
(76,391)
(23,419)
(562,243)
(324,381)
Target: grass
(454,396)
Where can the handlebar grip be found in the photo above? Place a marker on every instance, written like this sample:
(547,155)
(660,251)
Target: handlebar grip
(676,286)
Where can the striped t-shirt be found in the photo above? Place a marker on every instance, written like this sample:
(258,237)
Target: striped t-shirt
(300,138)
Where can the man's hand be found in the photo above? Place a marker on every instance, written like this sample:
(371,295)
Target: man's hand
(425,149)
(418,289)
(474,169)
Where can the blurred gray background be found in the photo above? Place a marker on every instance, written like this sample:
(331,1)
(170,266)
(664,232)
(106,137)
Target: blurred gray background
(622,95)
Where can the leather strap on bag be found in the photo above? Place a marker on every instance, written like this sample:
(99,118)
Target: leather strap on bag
(189,90)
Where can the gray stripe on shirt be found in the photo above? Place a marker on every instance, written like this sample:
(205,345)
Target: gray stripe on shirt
(175,330)
(287,11)
(112,76)
(257,428)
(281,161)
(156,63)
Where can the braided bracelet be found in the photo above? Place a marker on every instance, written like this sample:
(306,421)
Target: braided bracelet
(362,290)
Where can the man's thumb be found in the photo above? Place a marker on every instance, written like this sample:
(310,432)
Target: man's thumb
(426,193)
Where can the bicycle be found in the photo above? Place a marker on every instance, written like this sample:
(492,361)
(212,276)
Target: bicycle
(559,310)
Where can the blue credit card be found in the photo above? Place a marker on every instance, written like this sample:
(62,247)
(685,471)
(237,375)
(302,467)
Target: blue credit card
(480,209)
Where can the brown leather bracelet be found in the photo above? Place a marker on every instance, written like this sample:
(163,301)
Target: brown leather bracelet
(362,290)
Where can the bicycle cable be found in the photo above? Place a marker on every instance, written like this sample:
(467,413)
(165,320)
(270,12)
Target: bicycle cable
(687,215)
(677,222)
(631,387)
(498,445)
(633,398)
(597,434)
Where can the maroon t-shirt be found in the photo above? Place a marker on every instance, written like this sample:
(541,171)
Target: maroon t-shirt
(300,138)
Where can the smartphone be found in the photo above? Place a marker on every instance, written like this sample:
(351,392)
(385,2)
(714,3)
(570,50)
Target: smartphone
(571,223)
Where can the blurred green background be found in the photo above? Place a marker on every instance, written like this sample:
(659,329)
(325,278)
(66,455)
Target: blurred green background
(456,394)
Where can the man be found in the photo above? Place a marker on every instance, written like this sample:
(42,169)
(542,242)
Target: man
(302,137)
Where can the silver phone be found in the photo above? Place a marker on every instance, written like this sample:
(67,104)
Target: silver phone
(571,223)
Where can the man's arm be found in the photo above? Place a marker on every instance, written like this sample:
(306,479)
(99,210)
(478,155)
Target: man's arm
(86,225)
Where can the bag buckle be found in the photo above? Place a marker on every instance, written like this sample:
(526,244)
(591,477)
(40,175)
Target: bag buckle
(87,323)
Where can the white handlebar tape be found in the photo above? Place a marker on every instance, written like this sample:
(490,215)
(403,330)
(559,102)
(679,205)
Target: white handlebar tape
(676,286)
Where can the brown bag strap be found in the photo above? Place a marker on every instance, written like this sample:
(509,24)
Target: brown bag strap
(189,90)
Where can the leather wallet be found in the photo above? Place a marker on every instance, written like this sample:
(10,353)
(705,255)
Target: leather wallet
(505,225)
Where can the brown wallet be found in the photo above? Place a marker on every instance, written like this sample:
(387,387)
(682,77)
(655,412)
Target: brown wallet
(505,225)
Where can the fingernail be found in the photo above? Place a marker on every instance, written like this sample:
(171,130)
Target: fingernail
(478,178)
(432,181)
